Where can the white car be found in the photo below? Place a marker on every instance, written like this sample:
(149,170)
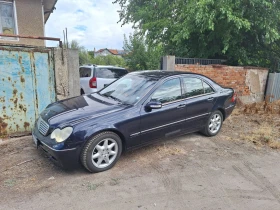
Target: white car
(95,77)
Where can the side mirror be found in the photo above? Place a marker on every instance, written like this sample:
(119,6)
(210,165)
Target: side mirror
(154,105)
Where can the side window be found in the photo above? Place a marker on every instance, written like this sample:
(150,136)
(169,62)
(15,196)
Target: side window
(104,73)
(193,87)
(207,88)
(168,91)
(85,72)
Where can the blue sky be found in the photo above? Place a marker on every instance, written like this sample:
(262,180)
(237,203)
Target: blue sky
(93,23)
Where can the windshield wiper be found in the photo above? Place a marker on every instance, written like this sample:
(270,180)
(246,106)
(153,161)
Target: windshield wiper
(115,99)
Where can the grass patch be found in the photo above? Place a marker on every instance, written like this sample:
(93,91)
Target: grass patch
(92,186)
(9,182)
(264,134)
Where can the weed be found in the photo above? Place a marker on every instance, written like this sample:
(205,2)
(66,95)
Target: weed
(92,186)
(114,182)
(9,182)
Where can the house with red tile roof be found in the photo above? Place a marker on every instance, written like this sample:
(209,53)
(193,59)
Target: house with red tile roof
(106,51)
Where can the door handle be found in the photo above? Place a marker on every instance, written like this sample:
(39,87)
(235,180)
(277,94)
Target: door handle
(210,99)
(181,106)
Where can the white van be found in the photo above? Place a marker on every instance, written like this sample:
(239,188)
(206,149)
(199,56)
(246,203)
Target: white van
(95,77)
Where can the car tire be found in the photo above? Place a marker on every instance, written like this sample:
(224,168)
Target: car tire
(214,124)
(98,156)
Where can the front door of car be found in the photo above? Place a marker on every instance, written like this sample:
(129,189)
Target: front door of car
(167,120)
(200,98)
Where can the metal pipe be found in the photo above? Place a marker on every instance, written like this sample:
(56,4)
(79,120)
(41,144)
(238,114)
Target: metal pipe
(34,37)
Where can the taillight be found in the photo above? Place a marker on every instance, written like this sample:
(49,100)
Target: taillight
(233,98)
(93,82)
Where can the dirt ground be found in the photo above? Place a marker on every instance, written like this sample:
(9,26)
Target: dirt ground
(237,169)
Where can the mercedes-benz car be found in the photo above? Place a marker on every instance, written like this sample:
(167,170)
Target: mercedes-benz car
(135,110)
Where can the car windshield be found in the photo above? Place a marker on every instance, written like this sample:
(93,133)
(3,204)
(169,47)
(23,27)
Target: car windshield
(129,89)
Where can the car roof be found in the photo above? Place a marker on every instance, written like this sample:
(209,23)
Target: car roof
(159,74)
(102,66)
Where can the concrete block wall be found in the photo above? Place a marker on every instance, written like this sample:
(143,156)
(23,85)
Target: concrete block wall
(67,76)
(248,82)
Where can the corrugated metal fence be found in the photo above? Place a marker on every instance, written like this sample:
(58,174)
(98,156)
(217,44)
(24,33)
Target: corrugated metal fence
(273,86)
(27,86)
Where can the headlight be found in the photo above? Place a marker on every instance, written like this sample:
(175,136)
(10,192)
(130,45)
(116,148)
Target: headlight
(61,135)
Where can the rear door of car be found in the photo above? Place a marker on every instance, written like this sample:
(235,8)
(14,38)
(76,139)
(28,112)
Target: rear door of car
(85,76)
(168,120)
(200,97)
(105,76)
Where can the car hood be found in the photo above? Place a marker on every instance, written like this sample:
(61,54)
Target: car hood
(73,110)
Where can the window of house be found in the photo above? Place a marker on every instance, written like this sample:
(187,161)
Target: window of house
(168,91)
(7,19)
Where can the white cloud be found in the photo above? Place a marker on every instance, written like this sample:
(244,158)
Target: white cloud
(93,23)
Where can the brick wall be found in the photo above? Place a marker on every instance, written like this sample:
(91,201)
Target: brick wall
(248,82)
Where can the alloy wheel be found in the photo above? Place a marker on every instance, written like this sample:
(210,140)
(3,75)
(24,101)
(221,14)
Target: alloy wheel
(104,153)
(215,123)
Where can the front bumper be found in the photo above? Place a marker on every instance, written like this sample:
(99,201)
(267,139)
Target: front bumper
(66,158)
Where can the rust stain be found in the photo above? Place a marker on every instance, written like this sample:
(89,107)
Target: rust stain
(35,80)
(17,126)
(21,96)
(3,126)
(26,125)
(15,102)
(4,107)
(20,63)
(15,91)
(9,78)
(22,79)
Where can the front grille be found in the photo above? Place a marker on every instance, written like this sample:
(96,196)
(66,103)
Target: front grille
(43,127)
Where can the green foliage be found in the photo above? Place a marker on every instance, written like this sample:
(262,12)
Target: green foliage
(87,57)
(108,60)
(245,32)
(139,55)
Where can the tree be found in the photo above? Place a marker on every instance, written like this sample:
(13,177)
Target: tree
(139,55)
(245,32)
(84,57)
(108,60)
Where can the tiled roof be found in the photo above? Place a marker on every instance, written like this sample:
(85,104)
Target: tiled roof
(113,51)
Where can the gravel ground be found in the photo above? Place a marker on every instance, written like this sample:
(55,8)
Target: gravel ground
(237,169)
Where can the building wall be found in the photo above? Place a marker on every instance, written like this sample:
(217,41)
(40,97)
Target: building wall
(29,18)
(248,82)
(67,73)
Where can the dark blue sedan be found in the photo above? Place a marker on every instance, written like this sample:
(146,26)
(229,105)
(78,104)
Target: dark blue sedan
(134,111)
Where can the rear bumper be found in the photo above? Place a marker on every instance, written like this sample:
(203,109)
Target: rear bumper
(229,110)
(67,158)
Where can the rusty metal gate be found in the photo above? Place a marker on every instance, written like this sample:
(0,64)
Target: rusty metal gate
(27,86)
(273,87)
